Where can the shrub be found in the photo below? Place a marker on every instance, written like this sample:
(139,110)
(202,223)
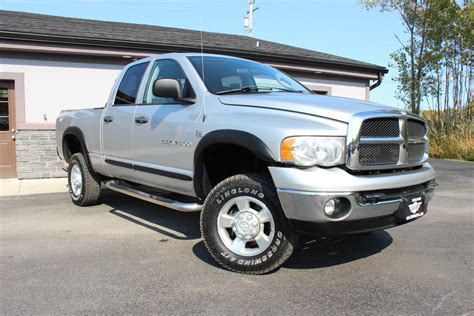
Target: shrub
(451,146)
(450,138)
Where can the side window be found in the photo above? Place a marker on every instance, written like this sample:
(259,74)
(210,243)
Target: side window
(128,87)
(169,69)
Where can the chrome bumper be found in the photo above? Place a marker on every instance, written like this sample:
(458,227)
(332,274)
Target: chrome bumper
(338,180)
(303,193)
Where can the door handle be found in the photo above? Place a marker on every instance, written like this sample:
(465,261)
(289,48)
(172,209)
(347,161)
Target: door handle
(141,119)
(108,119)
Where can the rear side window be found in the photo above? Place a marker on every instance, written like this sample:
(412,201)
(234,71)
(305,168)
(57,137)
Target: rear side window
(128,88)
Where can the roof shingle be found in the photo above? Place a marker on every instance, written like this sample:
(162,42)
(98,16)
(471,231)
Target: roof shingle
(30,26)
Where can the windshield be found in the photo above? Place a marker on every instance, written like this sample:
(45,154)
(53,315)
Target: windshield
(231,75)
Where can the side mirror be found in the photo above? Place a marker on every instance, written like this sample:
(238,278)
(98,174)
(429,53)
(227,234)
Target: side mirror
(167,88)
(171,88)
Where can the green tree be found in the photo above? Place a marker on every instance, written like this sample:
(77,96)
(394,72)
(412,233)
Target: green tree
(413,58)
(434,66)
(431,27)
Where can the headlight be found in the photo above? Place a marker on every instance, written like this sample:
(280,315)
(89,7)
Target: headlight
(313,150)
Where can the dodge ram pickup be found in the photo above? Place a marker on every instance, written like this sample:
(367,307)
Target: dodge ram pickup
(258,154)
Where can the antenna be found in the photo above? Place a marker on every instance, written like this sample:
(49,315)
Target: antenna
(203,78)
(202,55)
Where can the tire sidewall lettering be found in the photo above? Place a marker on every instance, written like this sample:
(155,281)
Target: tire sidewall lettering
(252,261)
(239,191)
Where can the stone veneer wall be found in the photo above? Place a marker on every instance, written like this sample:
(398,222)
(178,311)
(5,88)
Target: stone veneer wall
(36,156)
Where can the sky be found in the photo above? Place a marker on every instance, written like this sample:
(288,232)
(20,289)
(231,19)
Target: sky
(339,27)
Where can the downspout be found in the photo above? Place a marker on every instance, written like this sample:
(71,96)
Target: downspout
(379,81)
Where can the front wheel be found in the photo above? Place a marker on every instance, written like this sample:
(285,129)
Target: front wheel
(243,225)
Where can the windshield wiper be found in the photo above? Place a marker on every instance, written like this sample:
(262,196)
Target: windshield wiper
(246,89)
(279,89)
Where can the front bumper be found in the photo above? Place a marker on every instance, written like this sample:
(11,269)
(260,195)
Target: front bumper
(372,202)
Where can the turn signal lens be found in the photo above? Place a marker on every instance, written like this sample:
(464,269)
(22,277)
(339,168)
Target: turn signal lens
(287,148)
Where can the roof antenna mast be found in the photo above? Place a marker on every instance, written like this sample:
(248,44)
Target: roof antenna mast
(248,19)
(203,77)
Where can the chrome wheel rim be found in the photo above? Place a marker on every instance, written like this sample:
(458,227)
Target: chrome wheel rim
(76,180)
(246,226)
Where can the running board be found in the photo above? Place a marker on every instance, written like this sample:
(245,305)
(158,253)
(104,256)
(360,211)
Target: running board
(175,205)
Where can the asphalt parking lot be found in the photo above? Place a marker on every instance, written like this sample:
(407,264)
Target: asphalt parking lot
(128,256)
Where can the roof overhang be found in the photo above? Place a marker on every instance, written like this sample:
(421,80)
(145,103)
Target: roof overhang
(50,44)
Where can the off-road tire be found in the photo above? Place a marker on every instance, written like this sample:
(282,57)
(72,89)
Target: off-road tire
(258,187)
(90,192)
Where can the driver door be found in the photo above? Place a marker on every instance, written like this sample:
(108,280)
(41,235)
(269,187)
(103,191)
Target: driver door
(163,133)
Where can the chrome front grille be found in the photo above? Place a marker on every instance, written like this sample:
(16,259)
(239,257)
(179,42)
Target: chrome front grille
(384,140)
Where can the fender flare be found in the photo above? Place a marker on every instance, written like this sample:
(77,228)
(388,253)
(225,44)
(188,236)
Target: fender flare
(75,131)
(227,136)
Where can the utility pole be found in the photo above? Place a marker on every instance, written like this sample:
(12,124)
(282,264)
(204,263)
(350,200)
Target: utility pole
(248,20)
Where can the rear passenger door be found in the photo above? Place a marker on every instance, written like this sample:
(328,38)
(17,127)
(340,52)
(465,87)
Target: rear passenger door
(118,122)
(163,133)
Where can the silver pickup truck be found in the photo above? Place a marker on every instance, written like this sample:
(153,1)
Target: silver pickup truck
(262,157)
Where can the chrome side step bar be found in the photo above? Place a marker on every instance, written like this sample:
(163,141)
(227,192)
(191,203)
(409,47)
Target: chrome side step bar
(152,198)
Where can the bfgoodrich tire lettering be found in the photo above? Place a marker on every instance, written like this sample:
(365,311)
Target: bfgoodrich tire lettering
(282,242)
(88,191)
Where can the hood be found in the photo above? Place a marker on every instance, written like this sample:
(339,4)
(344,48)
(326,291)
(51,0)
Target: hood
(339,109)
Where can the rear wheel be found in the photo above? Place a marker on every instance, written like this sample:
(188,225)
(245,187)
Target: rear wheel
(83,188)
(243,225)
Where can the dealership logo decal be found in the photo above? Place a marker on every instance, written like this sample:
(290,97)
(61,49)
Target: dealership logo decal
(414,208)
(415,205)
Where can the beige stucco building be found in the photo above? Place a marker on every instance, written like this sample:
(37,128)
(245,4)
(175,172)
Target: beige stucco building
(49,64)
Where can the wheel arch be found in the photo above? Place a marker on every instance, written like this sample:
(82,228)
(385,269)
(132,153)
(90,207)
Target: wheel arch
(242,139)
(73,141)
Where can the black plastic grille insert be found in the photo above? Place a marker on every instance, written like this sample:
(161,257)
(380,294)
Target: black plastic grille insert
(416,128)
(378,154)
(380,128)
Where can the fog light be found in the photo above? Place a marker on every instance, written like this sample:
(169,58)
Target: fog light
(330,207)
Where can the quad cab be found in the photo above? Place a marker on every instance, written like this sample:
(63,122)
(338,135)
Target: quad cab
(259,155)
